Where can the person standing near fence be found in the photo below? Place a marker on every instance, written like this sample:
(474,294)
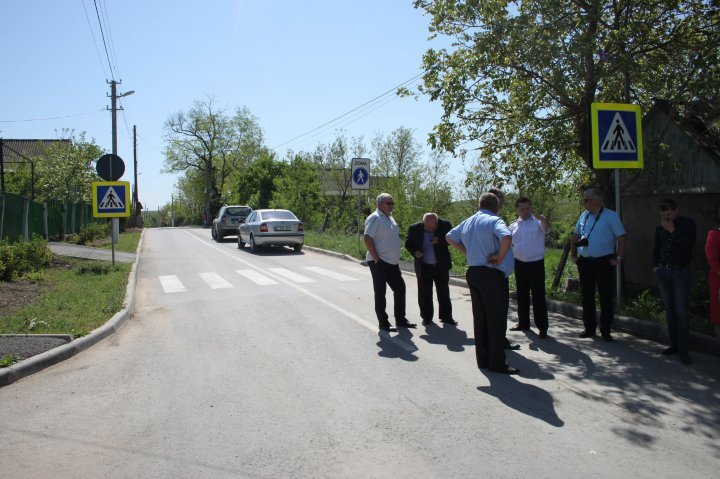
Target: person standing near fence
(672,252)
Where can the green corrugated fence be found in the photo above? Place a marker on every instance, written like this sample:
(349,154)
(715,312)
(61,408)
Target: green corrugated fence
(20,218)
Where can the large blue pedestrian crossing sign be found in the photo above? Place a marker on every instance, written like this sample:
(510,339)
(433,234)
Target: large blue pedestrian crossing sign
(360,174)
(616,130)
(111,199)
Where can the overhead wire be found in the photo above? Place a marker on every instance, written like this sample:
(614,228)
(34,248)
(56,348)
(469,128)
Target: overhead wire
(350,112)
(92,34)
(52,117)
(102,32)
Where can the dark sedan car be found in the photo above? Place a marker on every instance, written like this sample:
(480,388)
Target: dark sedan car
(227,221)
(271,227)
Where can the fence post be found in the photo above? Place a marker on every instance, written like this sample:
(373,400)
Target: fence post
(72,217)
(63,229)
(45,221)
(26,218)
(2,215)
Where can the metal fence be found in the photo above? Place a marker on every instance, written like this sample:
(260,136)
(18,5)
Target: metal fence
(20,218)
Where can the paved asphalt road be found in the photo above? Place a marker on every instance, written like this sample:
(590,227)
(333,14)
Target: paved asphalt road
(270,365)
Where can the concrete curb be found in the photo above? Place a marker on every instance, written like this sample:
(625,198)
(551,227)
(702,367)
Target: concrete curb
(637,327)
(41,361)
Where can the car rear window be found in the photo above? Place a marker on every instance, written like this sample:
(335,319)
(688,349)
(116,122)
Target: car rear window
(240,210)
(278,215)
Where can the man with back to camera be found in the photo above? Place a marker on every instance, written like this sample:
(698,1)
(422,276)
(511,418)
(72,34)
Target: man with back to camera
(528,245)
(382,240)
(672,252)
(486,243)
(501,200)
(592,248)
(427,244)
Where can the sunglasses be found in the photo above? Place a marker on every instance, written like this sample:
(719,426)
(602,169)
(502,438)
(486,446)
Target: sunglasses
(389,203)
(585,200)
(665,207)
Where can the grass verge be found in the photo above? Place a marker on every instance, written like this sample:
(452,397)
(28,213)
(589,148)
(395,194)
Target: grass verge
(76,296)
(127,241)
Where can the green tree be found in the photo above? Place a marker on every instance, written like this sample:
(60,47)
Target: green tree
(298,190)
(208,140)
(517,83)
(65,172)
(256,185)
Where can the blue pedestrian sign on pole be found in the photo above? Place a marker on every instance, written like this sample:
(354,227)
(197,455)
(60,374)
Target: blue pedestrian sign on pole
(360,174)
(111,199)
(616,135)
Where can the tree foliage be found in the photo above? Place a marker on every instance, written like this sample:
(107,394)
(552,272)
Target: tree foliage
(256,184)
(208,140)
(65,172)
(517,83)
(298,190)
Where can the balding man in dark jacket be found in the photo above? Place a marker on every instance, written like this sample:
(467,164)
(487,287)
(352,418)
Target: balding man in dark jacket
(427,244)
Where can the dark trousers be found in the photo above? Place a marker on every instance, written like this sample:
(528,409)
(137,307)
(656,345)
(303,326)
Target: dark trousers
(674,288)
(489,294)
(388,274)
(530,278)
(597,272)
(430,274)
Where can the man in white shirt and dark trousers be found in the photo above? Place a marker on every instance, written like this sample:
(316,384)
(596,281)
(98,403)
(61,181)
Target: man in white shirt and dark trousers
(528,245)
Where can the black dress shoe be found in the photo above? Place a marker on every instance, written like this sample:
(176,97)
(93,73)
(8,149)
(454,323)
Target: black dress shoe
(517,327)
(405,324)
(607,338)
(542,334)
(449,321)
(685,358)
(387,327)
(506,370)
(587,334)
(669,351)
(512,346)
(427,322)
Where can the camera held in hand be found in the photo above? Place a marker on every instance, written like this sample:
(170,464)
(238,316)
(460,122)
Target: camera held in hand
(582,241)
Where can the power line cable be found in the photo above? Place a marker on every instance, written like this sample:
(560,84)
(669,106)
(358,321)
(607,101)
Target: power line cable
(92,34)
(351,111)
(97,12)
(51,118)
(111,41)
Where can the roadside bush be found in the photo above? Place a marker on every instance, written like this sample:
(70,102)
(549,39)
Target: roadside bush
(18,259)
(93,231)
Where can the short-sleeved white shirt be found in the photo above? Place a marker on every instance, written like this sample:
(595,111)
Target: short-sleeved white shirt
(528,239)
(385,234)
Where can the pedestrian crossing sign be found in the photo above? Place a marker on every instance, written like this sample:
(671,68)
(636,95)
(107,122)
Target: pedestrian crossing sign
(616,130)
(111,199)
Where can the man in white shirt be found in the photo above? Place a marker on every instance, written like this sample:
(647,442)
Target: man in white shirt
(382,241)
(528,245)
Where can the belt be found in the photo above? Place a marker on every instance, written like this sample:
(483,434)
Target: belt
(673,266)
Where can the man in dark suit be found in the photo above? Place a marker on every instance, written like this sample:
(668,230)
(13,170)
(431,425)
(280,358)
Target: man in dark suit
(427,244)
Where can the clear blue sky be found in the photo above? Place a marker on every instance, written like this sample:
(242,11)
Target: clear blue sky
(295,65)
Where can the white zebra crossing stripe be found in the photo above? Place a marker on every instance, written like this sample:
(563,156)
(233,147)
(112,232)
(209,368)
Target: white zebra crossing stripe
(215,281)
(330,274)
(171,284)
(291,275)
(257,278)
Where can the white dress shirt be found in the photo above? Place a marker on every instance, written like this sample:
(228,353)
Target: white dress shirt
(528,239)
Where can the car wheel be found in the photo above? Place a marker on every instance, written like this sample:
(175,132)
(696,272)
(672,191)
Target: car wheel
(212,233)
(241,243)
(219,237)
(297,248)
(253,247)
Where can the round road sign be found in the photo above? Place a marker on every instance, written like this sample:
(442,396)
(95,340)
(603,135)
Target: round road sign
(110,167)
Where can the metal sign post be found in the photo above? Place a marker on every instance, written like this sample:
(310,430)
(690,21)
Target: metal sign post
(360,176)
(616,132)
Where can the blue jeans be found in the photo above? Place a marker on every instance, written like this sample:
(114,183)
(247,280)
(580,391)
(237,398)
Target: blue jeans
(675,288)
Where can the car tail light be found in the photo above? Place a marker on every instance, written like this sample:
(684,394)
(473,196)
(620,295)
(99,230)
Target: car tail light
(301,227)
(263,228)
(223,218)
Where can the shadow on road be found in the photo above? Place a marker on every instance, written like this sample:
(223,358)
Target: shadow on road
(451,336)
(524,398)
(400,346)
